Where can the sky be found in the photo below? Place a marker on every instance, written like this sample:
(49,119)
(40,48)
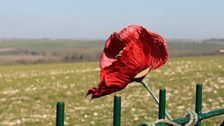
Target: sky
(97,19)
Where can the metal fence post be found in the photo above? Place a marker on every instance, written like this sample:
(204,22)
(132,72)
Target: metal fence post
(60,114)
(198,105)
(162,103)
(117,111)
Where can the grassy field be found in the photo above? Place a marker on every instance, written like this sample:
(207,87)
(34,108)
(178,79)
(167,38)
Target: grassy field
(28,93)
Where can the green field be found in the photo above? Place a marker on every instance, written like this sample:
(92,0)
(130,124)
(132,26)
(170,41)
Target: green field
(28,93)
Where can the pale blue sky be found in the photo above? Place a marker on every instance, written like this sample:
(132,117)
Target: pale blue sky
(97,19)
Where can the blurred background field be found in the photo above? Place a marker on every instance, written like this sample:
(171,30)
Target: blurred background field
(28,93)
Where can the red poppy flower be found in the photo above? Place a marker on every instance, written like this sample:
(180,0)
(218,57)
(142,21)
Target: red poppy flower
(126,54)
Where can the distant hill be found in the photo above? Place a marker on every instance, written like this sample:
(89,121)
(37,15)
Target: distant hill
(66,50)
(215,39)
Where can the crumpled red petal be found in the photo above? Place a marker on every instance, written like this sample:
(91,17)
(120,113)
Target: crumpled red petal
(143,49)
(112,47)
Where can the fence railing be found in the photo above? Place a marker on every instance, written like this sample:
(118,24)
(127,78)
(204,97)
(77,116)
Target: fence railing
(162,111)
(181,121)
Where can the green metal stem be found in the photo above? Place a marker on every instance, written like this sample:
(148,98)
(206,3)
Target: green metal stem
(60,114)
(146,86)
(117,111)
(198,102)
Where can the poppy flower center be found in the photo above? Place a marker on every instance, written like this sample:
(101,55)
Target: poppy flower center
(119,54)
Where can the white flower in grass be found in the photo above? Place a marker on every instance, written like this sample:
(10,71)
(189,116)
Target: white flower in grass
(95,114)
